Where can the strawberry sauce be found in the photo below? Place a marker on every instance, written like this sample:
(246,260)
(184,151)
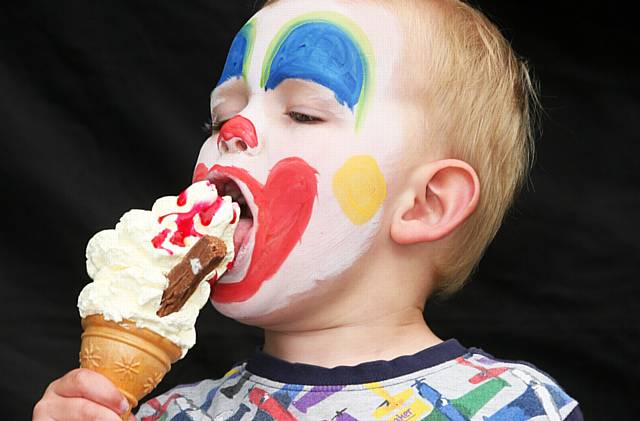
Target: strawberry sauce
(185,221)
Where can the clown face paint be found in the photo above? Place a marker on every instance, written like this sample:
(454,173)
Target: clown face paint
(312,133)
(239,54)
(324,48)
(360,188)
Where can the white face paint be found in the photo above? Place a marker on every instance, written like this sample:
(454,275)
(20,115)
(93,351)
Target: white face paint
(316,189)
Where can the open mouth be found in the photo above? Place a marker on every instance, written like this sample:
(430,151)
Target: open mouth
(244,235)
(275,217)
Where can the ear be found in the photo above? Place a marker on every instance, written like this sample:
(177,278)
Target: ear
(438,198)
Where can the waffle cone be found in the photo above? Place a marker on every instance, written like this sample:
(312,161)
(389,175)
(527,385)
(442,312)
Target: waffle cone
(134,359)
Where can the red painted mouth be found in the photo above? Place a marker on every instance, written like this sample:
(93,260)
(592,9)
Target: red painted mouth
(283,208)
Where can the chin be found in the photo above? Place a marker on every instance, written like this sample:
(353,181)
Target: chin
(272,304)
(294,313)
(282,304)
(253,318)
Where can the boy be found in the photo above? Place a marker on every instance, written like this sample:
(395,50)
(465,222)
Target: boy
(377,145)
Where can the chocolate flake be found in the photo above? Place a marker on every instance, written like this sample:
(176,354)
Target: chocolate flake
(185,277)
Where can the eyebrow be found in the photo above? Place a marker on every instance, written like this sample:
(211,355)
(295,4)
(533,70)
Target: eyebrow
(310,91)
(326,102)
(316,48)
(322,104)
(240,52)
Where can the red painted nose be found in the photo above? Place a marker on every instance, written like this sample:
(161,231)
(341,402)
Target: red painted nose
(237,134)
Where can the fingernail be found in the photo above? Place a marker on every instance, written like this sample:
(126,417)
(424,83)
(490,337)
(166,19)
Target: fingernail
(124,406)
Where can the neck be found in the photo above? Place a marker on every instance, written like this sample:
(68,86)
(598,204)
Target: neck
(372,338)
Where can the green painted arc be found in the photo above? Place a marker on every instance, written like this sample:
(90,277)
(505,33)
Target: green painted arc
(249,30)
(349,27)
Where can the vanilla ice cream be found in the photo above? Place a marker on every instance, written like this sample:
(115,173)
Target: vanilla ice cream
(129,264)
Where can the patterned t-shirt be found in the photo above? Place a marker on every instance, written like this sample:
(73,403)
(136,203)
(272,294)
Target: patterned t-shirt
(440,383)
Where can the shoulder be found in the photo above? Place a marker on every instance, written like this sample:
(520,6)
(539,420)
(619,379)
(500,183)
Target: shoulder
(527,392)
(185,398)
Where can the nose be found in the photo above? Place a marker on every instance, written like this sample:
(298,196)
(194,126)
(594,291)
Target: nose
(236,135)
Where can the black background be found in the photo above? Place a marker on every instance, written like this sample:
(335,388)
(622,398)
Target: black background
(101,109)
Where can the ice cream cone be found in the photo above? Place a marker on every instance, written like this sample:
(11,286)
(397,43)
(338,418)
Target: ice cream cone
(134,359)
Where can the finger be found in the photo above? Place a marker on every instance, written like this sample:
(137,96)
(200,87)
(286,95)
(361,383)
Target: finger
(83,383)
(40,411)
(73,409)
(132,418)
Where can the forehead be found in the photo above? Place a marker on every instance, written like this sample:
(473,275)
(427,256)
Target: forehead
(374,32)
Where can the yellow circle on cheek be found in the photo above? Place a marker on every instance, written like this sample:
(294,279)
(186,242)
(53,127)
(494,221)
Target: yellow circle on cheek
(360,188)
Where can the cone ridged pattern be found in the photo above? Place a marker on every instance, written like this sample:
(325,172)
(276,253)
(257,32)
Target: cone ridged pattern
(134,359)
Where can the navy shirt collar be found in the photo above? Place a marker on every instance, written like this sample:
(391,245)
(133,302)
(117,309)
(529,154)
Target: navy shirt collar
(278,370)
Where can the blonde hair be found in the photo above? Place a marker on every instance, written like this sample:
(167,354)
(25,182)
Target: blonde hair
(480,106)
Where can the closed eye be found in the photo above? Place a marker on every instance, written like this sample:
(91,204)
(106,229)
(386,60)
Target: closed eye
(303,118)
(216,125)
(213,125)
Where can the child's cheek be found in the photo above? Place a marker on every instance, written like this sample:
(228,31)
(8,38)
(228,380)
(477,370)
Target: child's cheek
(360,188)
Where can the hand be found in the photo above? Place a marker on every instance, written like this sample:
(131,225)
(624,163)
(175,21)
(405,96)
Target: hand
(81,394)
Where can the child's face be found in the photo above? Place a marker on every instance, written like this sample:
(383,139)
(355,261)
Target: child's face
(317,189)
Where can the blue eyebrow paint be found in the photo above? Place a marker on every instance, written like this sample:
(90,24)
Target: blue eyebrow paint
(239,56)
(323,53)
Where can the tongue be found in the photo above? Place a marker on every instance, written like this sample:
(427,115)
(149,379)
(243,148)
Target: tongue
(242,230)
